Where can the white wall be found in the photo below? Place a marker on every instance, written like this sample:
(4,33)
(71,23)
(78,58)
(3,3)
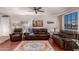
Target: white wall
(30,18)
(53,19)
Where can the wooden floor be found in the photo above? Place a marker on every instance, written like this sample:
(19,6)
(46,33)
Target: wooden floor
(9,46)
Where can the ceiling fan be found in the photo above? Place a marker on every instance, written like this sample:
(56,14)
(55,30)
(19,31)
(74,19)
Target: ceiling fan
(37,9)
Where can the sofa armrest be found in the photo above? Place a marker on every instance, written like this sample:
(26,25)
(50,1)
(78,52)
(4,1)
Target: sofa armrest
(26,34)
(11,35)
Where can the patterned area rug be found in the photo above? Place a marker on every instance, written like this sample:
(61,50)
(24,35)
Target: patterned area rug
(34,46)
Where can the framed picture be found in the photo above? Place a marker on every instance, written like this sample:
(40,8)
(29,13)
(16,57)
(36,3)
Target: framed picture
(37,23)
(50,22)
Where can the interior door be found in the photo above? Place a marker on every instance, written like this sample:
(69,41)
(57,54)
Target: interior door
(4,26)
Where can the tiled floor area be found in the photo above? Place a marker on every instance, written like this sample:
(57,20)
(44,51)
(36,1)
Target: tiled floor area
(9,46)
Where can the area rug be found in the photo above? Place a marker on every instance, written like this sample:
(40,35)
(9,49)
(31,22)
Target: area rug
(34,46)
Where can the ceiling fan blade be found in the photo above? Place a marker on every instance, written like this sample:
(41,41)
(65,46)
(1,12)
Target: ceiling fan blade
(36,11)
(40,11)
(35,8)
(39,7)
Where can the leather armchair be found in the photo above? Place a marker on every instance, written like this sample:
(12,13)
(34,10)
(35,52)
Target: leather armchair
(16,35)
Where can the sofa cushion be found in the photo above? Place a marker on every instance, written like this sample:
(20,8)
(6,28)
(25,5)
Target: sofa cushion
(41,35)
(59,40)
(16,35)
(30,30)
(61,35)
(68,34)
(31,34)
(18,30)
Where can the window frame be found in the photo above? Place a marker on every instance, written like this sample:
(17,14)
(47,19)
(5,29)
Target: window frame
(71,21)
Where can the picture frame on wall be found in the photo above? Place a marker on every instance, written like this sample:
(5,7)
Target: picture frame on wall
(37,23)
(50,22)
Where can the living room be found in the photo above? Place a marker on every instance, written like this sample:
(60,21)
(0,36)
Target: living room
(38,26)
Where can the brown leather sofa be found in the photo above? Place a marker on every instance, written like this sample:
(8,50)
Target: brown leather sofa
(64,39)
(16,35)
(37,34)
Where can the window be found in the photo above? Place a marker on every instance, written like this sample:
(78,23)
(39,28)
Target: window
(70,21)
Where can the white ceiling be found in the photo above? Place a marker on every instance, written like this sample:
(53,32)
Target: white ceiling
(30,11)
